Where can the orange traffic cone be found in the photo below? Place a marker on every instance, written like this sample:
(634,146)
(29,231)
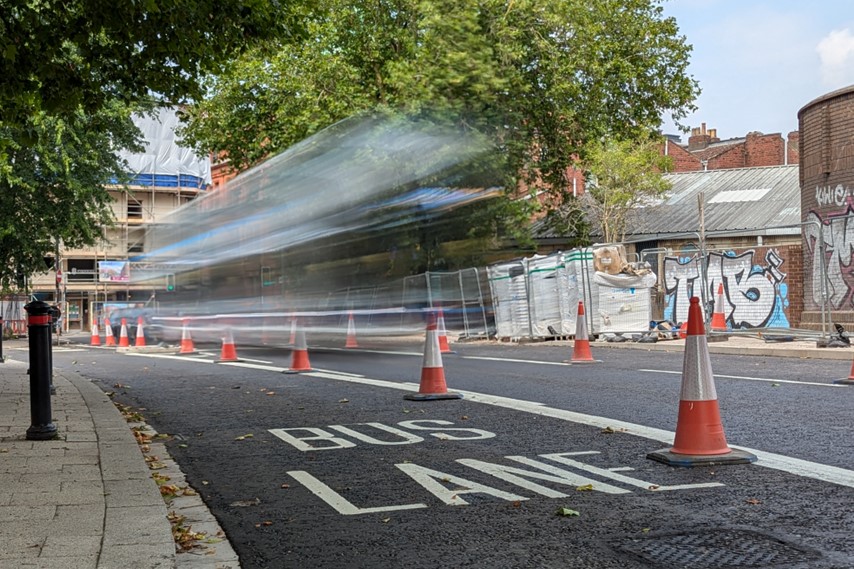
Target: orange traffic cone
(433,384)
(718,318)
(124,342)
(581,346)
(96,337)
(140,333)
(700,438)
(443,335)
(351,333)
(229,351)
(187,346)
(299,356)
(108,332)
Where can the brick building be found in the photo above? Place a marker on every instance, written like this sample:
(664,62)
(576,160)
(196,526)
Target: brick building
(705,151)
(827,205)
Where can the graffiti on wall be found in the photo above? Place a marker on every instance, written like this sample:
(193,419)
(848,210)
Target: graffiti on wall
(837,237)
(754,295)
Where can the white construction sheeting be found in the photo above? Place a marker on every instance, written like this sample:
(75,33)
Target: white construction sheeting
(507,283)
(544,295)
(538,297)
(165,162)
(625,302)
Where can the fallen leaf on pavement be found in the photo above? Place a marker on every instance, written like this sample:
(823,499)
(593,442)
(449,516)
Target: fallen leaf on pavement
(585,488)
(245,503)
(566,512)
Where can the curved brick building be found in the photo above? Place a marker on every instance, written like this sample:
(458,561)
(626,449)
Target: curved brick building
(826,127)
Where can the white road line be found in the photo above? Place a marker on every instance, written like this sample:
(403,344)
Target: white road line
(363,351)
(420,354)
(254,366)
(168,357)
(537,362)
(255,361)
(769,380)
(796,466)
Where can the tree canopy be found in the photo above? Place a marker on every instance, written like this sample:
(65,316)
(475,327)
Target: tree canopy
(71,71)
(56,55)
(54,187)
(542,79)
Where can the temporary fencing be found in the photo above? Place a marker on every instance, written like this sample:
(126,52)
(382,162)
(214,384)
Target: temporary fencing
(790,282)
(780,285)
(13,315)
(400,305)
(537,297)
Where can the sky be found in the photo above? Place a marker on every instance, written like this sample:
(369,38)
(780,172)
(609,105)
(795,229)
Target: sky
(758,62)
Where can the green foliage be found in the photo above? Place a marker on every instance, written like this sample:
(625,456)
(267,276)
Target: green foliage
(53,188)
(58,55)
(542,80)
(624,174)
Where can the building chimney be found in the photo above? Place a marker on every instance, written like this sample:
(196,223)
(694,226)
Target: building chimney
(699,138)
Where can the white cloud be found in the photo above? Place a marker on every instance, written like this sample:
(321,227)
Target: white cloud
(836,51)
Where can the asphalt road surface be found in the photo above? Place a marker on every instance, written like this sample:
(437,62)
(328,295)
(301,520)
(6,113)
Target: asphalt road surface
(541,464)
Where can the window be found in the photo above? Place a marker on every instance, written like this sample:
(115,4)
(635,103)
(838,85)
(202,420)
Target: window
(134,208)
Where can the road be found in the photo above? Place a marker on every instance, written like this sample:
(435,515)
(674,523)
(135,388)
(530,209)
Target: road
(541,464)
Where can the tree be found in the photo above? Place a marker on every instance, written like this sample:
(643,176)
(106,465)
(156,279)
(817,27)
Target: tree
(541,80)
(55,187)
(56,55)
(622,176)
(70,70)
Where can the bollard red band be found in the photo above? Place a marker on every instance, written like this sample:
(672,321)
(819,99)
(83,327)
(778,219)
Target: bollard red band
(37,320)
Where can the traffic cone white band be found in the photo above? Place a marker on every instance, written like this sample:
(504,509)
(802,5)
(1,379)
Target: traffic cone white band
(351,333)
(697,364)
(432,354)
(580,324)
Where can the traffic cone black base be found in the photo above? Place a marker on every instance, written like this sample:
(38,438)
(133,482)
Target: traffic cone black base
(734,456)
(846,381)
(432,396)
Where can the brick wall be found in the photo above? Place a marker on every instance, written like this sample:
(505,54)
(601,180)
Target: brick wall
(826,140)
(764,150)
(683,161)
(731,158)
(756,150)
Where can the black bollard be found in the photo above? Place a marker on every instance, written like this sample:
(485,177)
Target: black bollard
(38,332)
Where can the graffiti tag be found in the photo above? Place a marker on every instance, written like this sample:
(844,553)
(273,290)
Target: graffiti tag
(753,296)
(837,237)
(827,195)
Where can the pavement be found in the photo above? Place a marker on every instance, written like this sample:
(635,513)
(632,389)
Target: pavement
(88,500)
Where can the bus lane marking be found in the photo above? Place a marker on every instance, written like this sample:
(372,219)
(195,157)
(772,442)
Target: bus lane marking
(447,487)
(799,467)
(791,465)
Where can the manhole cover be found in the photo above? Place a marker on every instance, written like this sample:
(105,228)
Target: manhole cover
(715,549)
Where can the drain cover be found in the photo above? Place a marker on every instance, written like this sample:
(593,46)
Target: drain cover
(715,549)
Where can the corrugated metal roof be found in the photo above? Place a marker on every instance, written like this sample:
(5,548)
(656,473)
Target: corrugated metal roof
(737,199)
